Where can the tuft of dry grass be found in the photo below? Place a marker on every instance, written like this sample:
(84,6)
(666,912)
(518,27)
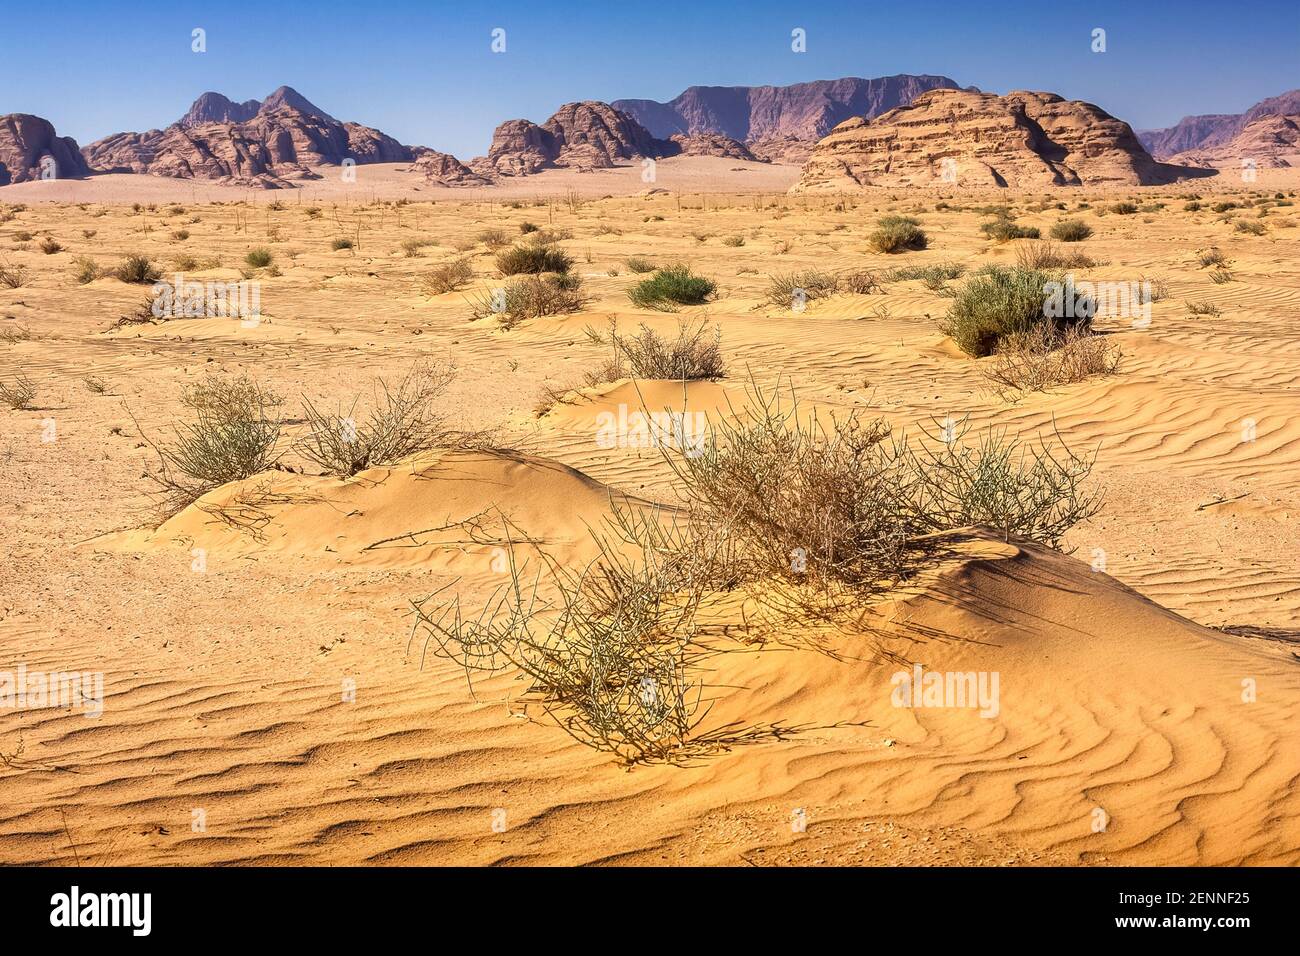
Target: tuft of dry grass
(1040,359)
(448,277)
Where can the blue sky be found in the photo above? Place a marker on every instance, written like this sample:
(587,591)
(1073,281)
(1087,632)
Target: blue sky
(424,71)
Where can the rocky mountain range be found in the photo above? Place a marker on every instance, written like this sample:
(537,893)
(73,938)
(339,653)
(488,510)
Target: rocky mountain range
(961,138)
(1214,129)
(282,137)
(778,123)
(1265,142)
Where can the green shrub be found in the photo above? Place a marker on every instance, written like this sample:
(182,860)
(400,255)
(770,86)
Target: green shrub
(1004,230)
(533,259)
(137,269)
(259,258)
(670,287)
(1071,230)
(1124,208)
(639,265)
(999,303)
(897,234)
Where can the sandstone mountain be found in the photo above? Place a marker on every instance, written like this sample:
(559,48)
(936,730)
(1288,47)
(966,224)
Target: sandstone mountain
(285,135)
(587,135)
(25,143)
(1214,129)
(443,169)
(1268,141)
(958,138)
(780,123)
(708,144)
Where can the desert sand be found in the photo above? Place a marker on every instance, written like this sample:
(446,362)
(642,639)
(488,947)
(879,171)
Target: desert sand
(226,687)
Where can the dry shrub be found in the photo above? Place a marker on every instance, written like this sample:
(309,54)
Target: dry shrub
(795,288)
(11,276)
(234,434)
(897,234)
(87,270)
(695,353)
(533,259)
(530,298)
(19,393)
(999,303)
(404,419)
(137,269)
(448,277)
(860,282)
(1040,359)
(805,515)
(1048,255)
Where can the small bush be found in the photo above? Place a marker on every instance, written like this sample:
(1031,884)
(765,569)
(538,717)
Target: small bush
(671,287)
(493,238)
(1071,230)
(259,258)
(49,246)
(999,303)
(87,270)
(897,234)
(533,259)
(1042,358)
(448,277)
(1048,255)
(696,353)
(733,241)
(341,243)
(639,265)
(1004,230)
(1124,208)
(1203,308)
(1254,228)
(794,289)
(137,269)
(19,393)
(1212,256)
(529,298)
(1192,206)
(860,282)
(405,419)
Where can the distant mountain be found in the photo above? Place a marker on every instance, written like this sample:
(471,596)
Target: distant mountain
(263,143)
(781,121)
(1214,129)
(1270,141)
(954,139)
(30,148)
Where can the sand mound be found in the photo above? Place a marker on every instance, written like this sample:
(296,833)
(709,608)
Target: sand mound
(447,508)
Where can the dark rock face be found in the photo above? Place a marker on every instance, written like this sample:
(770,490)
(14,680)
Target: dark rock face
(29,146)
(1214,129)
(284,136)
(788,120)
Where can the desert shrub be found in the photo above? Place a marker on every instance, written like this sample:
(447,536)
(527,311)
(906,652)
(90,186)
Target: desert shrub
(1254,228)
(1042,358)
(1071,230)
(793,289)
(1154,289)
(1203,308)
(695,353)
(18,393)
(95,385)
(448,277)
(22,235)
(180,235)
(137,269)
(530,298)
(533,259)
(1192,206)
(404,419)
(12,276)
(639,265)
(860,282)
(1221,277)
(1124,208)
(259,257)
(670,287)
(1224,206)
(897,234)
(527,227)
(234,434)
(998,303)
(804,516)
(341,243)
(1004,230)
(733,241)
(87,270)
(933,276)
(1048,255)
(493,238)
(1212,256)
(13,333)
(49,245)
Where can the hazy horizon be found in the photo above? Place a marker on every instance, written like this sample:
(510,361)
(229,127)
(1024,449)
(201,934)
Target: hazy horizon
(427,74)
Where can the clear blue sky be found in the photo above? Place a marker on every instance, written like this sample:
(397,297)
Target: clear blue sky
(424,71)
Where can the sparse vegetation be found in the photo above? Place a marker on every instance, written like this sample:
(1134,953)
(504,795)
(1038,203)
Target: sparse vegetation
(896,234)
(259,257)
(793,290)
(18,393)
(639,265)
(1043,358)
(695,353)
(448,277)
(137,269)
(1071,230)
(533,259)
(998,304)
(670,287)
(529,298)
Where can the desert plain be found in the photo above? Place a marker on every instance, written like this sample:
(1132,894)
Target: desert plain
(263,701)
